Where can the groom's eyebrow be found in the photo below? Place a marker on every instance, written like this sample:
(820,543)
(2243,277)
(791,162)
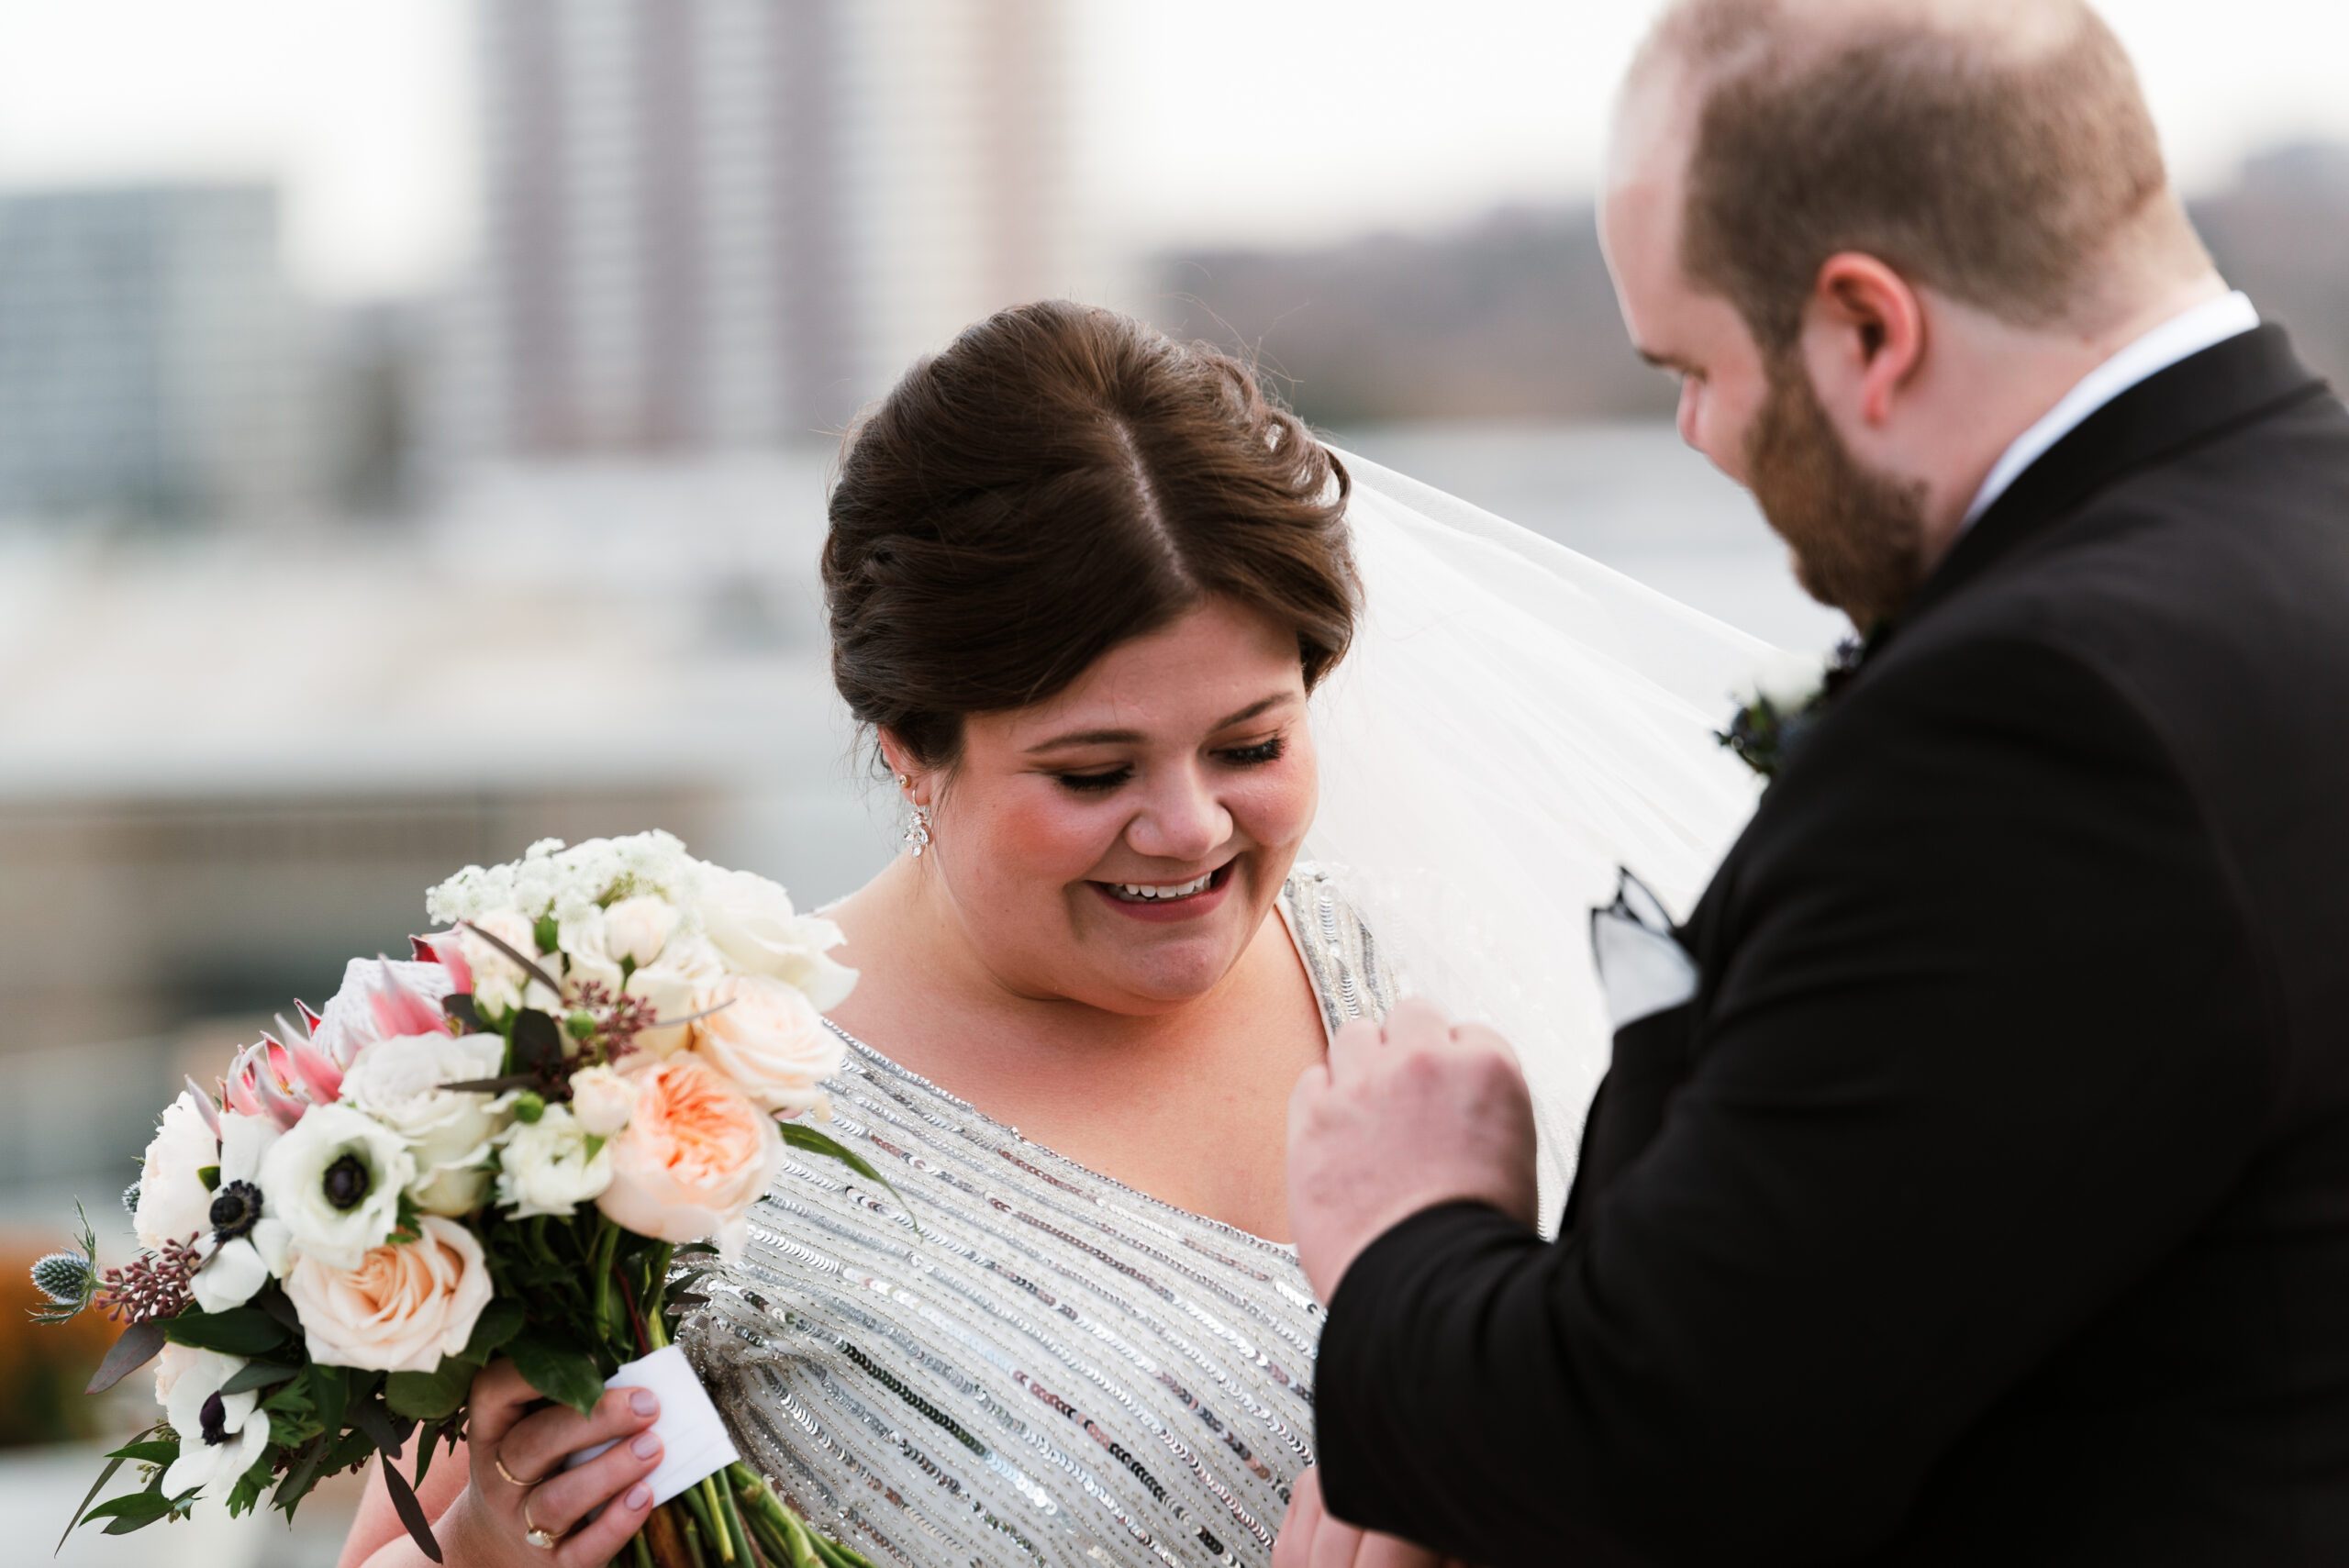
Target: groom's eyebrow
(1135,737)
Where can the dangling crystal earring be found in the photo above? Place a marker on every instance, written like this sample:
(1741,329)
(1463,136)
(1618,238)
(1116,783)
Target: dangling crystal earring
(917,829)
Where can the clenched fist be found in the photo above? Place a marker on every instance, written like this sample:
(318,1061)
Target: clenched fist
(1403,1117)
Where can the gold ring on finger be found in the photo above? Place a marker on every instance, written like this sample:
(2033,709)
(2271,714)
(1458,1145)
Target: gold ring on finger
(544,1540)
(499,1460)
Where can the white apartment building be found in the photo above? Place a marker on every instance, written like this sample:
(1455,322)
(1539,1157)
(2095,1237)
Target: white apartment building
(152,365)
(716,224)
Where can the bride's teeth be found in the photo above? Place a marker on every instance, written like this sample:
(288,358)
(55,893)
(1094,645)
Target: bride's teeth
(1154,894)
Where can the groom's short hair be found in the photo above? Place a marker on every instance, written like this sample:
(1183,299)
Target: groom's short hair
(1989,149)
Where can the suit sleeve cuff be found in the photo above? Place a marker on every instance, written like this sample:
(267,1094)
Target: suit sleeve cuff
(1364,1380)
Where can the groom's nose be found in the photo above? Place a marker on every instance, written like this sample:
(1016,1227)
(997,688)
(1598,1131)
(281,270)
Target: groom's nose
(1181,819)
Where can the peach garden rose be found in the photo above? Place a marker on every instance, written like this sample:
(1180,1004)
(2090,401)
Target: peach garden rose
(694,1157)
(404,1306)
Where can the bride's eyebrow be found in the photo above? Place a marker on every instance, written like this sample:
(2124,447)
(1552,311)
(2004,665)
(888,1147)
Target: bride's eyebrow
(1135,737)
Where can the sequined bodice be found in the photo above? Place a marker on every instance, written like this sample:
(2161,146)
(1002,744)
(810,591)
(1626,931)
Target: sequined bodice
(1022,1361)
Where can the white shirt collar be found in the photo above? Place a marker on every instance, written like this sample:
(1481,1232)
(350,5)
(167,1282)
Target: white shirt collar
(2186,333)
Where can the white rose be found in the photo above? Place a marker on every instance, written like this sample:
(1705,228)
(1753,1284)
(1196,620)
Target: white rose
(401,1308)
(335,1179)
(547,1167)
(768,1039)
(398,1083)
(638,928)
(221,1434)
(751,921)
(499,984)
(602,1100)
(585,958)
(173,1203)
(670,985)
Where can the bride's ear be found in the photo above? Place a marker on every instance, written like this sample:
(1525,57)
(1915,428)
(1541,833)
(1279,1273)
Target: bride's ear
(911,779)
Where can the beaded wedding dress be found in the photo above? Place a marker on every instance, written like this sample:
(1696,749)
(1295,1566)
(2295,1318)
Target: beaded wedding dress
(1019,1360)
(1022,1361)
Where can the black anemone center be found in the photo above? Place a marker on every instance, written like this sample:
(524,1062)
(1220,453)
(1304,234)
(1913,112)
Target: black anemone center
(213,1420)
(235,1208)
(347,1182)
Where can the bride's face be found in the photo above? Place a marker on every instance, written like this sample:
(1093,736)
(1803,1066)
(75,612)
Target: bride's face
(1121,843)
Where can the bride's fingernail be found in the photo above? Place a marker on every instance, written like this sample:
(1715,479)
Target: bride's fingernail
(643,1402)
(645,1447)
(639,1497)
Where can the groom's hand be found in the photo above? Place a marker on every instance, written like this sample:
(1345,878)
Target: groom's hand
(1403,1117)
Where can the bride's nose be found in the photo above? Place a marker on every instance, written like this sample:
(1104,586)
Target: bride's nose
(1181,820)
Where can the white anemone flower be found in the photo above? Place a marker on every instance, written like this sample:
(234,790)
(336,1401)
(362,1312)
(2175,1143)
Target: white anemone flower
(335,1179)
(220,1434)
(248,1245)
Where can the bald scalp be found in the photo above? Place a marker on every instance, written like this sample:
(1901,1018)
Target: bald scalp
(1998,150)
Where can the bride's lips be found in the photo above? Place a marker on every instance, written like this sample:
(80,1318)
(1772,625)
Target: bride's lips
(1162,911)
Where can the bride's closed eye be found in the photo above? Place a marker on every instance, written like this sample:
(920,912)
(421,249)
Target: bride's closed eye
(1254,755)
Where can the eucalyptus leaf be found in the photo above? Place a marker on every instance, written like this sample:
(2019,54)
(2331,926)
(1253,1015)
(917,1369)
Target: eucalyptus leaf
(239,1332)
(813,1143)
(499,1321)
(260,1375)
(557,1369)
(430,1395)
(138,1345)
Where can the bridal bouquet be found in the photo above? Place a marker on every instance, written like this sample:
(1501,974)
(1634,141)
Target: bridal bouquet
(502,1146)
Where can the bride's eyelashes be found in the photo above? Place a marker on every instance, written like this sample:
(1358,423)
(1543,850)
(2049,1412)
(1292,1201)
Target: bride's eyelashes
(1256,754)
(1095,784)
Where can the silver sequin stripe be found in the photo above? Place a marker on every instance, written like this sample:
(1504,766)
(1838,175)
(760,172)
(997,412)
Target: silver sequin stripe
(1055,1369)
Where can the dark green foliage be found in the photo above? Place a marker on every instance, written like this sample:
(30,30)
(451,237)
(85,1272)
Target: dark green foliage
(239,1332)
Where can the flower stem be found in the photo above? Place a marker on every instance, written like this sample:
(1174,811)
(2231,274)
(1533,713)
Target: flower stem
(716,1503)
(607,1243)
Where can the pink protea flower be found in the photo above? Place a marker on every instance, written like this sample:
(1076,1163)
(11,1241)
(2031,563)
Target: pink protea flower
(382,998)
(445,949)
(261,1082)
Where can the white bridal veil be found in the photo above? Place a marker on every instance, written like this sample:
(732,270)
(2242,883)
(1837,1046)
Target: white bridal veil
(1513,724)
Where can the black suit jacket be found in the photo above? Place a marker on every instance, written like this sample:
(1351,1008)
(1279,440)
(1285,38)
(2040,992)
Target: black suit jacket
(1989,1204)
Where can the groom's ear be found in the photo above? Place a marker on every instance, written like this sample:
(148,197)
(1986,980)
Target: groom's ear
(1864,336)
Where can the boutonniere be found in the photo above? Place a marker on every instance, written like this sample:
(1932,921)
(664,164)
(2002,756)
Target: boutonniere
(1785,701)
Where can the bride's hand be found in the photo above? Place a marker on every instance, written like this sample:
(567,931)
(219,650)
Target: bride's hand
(493,1520)
(1309,1538)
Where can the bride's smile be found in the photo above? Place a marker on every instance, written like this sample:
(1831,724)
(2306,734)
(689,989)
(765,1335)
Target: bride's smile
(1120,844)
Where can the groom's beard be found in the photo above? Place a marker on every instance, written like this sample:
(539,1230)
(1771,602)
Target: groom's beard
(1857,536)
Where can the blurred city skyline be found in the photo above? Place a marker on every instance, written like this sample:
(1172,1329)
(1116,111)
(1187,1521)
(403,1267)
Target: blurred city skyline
(1218,123)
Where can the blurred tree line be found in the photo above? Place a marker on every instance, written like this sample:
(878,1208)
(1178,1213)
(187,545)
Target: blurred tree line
(1515,317)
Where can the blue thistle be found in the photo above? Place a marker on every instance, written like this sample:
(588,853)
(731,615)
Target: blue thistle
(68,1279)
(131,1201)
(64,1278)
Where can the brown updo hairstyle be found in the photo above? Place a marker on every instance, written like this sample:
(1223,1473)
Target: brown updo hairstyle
(1060,480)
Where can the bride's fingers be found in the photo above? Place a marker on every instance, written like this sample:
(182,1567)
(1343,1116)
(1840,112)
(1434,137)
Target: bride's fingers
(537,1445)
(1293,1547)
(601,1542)
(570,1495)
(500,1398)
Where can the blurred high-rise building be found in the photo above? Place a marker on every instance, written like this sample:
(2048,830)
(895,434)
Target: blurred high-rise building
(726,223)
(151,356)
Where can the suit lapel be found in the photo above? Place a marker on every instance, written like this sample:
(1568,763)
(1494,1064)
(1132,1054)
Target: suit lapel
(2196,400)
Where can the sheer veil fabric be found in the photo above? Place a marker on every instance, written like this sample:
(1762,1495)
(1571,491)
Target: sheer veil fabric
(1513,724)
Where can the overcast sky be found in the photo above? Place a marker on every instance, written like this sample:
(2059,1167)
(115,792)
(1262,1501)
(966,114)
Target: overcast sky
(1201,120)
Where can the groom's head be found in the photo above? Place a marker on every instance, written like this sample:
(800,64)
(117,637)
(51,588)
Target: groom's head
(1877,239)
